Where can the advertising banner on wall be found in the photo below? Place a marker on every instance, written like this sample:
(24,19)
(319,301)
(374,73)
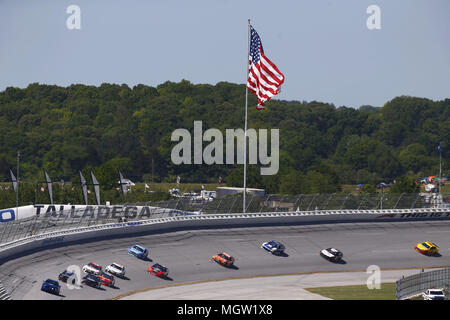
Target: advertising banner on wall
(67,211)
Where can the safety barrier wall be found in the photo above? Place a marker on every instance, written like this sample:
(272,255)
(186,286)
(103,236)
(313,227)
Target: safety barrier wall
(416,284)
(3,293)
(68,236)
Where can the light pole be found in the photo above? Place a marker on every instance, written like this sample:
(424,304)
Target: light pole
(17,193)
(440,167)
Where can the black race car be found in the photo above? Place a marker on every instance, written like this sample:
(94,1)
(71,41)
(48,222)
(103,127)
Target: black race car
(332,254)
(65,275)
(92,280)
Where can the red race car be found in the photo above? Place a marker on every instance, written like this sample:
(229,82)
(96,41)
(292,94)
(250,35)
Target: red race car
(158,270)
(106,279)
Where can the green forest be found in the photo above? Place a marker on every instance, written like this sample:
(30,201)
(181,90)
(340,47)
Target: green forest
(111,127)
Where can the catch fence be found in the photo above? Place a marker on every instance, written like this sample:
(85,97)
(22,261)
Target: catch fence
(416,284)
(72,219)
(309,202)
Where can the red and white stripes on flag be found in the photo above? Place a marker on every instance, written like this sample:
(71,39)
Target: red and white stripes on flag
(264,78)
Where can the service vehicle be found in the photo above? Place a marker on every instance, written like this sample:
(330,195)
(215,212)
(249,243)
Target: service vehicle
(332,254)
(428,248)
(224,259)
(274,247)
(158,270)
(92,268)
(433,294)
(106,279)
(116,269)
(51,286)
(138,251)
(92,280)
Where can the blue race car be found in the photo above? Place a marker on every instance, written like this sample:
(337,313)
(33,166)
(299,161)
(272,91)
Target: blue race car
(273,246)
(138,251)
(51,286)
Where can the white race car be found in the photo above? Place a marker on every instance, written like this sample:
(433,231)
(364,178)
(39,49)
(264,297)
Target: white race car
(92,268)
(116,269)
(332,254)
(274,247)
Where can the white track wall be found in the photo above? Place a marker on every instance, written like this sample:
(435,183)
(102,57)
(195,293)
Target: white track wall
(70,236)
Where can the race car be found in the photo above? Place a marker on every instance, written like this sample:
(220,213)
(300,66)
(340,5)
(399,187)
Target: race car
(158,270)
(224,259)
(138,251)
(116,269)
(332,254)
(92,280)
(106,279)
(65,275)
(51,286)
(273,247)
(433,294)
(92,268)
(427,247)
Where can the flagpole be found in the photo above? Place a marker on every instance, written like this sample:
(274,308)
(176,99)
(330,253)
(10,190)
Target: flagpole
(246,118)
(17,193)
(440,166)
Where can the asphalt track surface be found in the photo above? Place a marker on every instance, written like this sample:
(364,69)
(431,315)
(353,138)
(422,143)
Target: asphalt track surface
(187,255)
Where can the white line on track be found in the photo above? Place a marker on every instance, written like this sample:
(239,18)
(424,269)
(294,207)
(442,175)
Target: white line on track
(400,250)
(294,236)
(171,244)
(240,239)
(364,234)
(265,239)
(438,231)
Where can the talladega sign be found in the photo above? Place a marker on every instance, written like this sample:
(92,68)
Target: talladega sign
(80,211)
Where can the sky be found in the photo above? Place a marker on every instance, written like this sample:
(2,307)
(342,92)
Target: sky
(324,47)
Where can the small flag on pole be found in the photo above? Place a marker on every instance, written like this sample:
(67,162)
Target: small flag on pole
(439,148)
(96,188)
(123,184)
(13,180)
(48,181)
(83,187)
(264,78)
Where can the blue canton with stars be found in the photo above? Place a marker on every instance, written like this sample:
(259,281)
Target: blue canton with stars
(255,42)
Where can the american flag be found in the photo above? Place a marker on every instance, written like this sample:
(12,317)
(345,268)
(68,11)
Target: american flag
(264,78)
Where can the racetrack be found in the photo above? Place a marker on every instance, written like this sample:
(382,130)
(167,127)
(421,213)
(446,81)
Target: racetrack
(187,255)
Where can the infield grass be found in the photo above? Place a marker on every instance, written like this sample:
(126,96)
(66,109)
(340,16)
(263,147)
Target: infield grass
(356,292)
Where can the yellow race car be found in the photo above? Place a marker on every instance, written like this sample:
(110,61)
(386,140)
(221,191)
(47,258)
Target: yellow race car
(427,247)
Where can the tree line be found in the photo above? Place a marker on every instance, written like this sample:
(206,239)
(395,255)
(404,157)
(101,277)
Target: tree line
(110,127)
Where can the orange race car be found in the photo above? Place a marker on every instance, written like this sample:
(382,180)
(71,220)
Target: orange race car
(427,247)
(224,259)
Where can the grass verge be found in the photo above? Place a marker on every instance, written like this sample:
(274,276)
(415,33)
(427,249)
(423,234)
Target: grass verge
(356,292)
